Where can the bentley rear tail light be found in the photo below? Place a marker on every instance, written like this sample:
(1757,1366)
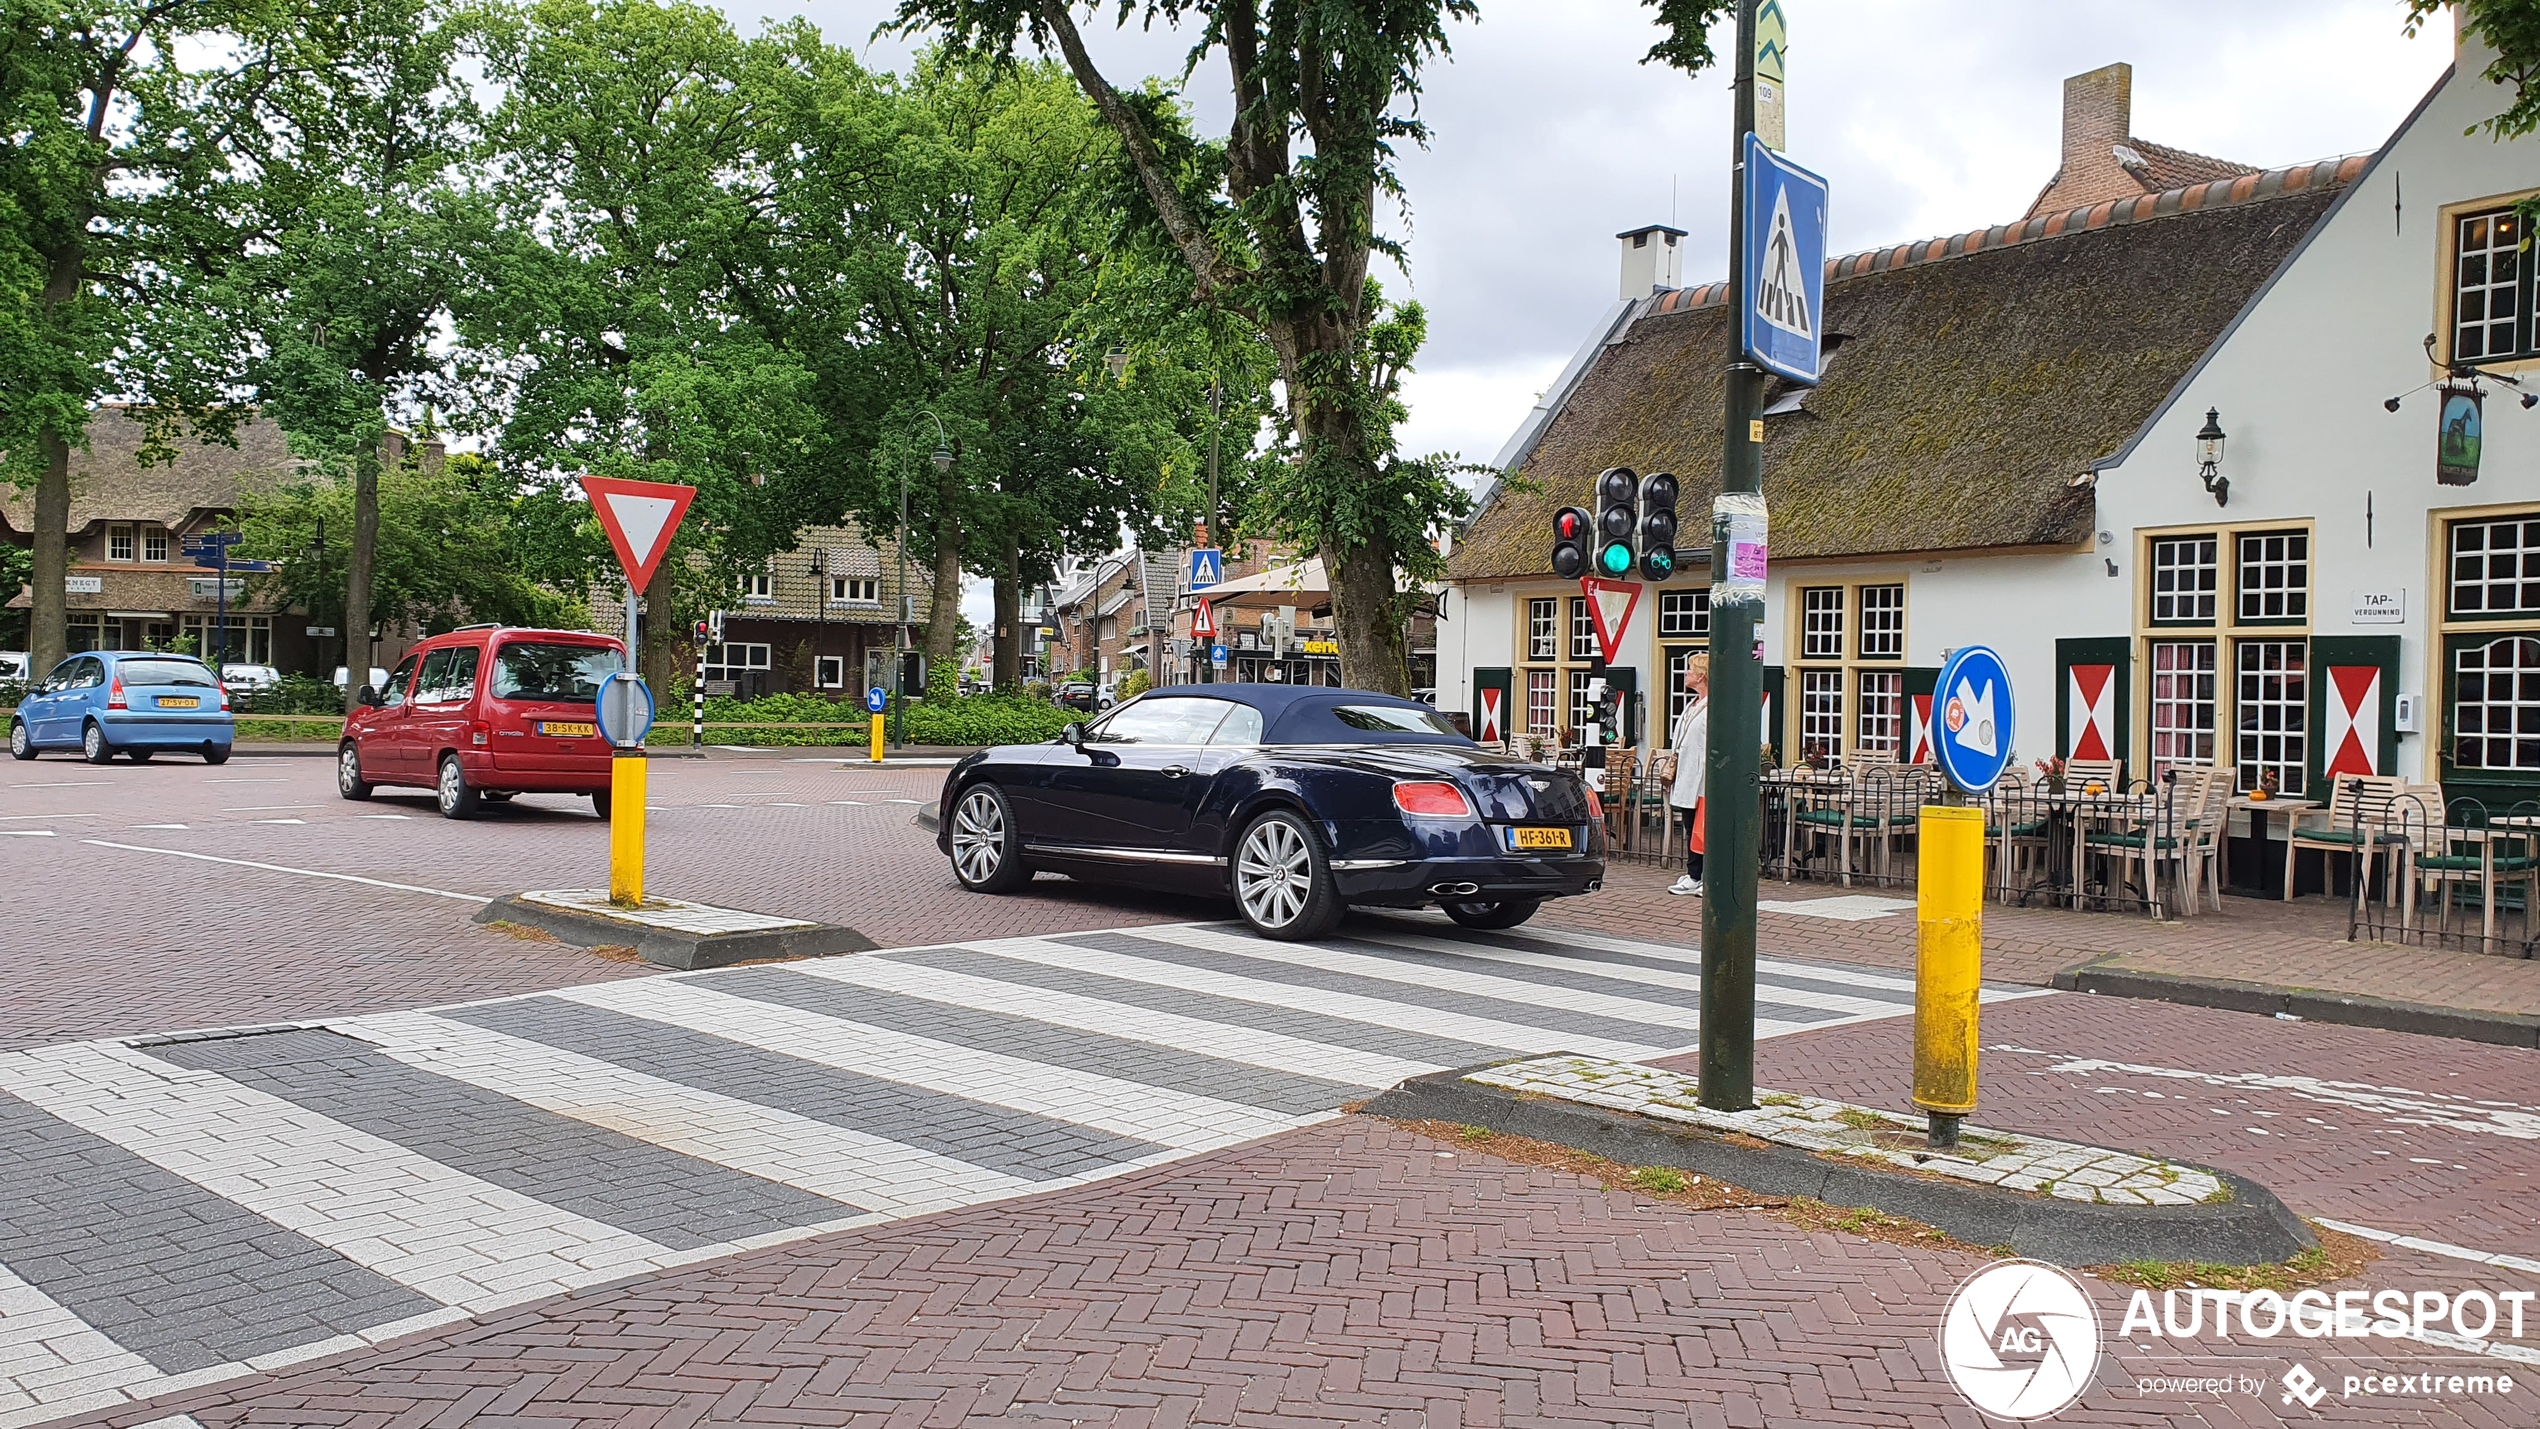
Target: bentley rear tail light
(1432,800)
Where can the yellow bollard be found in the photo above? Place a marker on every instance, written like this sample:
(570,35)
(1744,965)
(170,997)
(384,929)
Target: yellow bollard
(1948,965)
(626,829)
(876,724)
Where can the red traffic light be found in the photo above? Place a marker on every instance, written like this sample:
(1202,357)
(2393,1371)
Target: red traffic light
(1568,525)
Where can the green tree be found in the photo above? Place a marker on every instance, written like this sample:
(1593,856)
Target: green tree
(2512,29)
(619,320)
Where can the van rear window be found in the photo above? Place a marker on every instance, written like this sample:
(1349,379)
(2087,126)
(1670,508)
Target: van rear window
(535,670)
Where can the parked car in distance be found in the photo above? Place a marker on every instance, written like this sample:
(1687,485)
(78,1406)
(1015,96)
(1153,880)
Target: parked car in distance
(1299,801)
(136,703)
(249,679)
(483,713)
(1075,695)
(378,677)
(13,664)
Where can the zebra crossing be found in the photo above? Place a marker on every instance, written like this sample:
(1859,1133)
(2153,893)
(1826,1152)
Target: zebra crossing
(185,1209)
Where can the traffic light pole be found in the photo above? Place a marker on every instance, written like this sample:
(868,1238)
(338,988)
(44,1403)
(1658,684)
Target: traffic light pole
(1732,793)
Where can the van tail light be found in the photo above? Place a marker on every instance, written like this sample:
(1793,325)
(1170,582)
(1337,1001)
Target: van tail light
(114,694)
(1596,806)
(1432,800)
(477,732)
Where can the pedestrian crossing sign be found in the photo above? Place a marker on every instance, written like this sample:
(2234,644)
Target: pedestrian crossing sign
(1208,568)
(1784,277)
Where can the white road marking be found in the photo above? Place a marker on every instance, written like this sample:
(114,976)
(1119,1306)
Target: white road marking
(826,1160)
(1222,1040)
(383,816)
(434,1229)
(1647,977)
(2437,1247)
(247,781)
(158,826)
(30,818)
(74,784)
(1182,1120)
(26,833)
(53,1355)
(1485,1031)
(2399,1106)
(302,872)
(277,821)
(265,808)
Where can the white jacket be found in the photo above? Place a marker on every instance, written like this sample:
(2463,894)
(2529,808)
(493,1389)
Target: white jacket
(1692,744)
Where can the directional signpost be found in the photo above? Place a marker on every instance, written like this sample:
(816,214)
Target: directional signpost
(210,551)
(640,517)
(1971,741)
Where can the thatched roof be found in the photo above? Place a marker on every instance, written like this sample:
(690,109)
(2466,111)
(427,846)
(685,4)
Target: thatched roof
(850,555)
(109,483)
(1971,380)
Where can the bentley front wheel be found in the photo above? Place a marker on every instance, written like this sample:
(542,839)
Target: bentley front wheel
(987,854)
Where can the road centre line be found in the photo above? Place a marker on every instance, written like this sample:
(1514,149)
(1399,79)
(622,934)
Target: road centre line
(265,808)
(74,784)
(33,818)
(26,833)
(246,781)
(302,872)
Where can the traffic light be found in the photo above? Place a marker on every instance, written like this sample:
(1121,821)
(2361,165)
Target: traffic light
(1657,526)
(1616,516)
(1570,543)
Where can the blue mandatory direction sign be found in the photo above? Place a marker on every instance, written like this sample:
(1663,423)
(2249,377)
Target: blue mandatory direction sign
(1217,656)
(625,709)
(1784,285)
(1208,568)
(876,700)
(1972,722)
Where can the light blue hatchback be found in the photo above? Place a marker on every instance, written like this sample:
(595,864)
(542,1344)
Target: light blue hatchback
(132,702)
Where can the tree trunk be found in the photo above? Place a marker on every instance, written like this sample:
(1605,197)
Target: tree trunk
(1365,622)
(48,634)
(943,619)
(359,653)
(660,660)
(1005,645)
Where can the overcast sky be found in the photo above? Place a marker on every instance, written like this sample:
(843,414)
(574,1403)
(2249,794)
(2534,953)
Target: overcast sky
(1928,118)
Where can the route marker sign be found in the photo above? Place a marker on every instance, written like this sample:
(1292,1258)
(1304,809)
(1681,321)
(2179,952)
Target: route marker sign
(640,517)
(1973,729)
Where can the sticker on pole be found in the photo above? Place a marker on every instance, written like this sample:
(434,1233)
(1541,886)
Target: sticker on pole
(1971,738)
(1784,282)
(640,517)
(1610,606)
(625,707)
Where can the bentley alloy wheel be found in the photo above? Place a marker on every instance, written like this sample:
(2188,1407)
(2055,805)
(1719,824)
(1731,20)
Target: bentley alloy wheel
(984,853)
(1282,881)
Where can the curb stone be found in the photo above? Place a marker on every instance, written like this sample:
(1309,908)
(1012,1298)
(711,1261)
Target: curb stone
(2508,1029)
(2252,1228)
(669,948)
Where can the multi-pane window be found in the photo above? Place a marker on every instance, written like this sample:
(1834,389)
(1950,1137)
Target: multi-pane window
(1881,734)
(154,543)
(1542,636)
(1582,709)
(2272,701)
(1582,630)
(855,591)
(1821,623)
(1542,689)
(1677,695)
(1882,622)
(2496,567)
(2275,576)
(735,659)
(1684,613)
(2496,705)
(2183,692)
(2491,290)
(760,585)
(1821,713)
(118,543)
(2184,577)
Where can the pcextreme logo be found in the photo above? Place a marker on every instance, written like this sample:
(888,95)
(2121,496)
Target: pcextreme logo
(2020,1340)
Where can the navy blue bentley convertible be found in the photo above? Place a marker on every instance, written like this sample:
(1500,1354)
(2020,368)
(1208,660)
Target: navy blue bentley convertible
(1300,801)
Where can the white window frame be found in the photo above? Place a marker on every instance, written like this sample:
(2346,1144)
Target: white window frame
(2186,702)
(829,672)
(1543,635)
(2520,650)
(154,544)
(2489,239)
(1684,614)
(1543,694)
(119,542)
(1879,718)
(2177,563)
(2271,568)
(2271,711)
(1821,622)
(2523,579)
(1821,710)
(1583,644)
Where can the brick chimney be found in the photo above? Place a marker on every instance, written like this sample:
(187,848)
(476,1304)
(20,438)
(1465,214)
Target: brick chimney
(2098,114)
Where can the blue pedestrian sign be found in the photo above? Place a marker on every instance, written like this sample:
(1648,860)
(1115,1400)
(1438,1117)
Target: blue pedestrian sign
(1208,567)
(1783,289)
(1971,727)
(876,700)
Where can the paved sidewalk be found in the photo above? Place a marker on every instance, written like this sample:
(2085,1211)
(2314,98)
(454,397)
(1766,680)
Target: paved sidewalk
(2297,946)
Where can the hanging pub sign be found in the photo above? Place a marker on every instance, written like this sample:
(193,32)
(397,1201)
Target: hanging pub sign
(2456,443)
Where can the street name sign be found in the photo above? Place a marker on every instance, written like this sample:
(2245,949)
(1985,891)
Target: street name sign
(640,517)
(1783,288)
(1971,738)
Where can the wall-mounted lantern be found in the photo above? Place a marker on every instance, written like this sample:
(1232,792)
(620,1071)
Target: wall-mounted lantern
(2209,455)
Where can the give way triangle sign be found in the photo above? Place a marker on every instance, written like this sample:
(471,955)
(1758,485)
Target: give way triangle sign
(639,517)
(1610,607)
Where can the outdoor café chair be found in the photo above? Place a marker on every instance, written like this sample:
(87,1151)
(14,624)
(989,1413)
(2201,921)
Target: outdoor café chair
(2353,824)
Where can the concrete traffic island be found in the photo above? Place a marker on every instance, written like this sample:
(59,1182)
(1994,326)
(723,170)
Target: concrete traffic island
(2051,1200)
(671,932)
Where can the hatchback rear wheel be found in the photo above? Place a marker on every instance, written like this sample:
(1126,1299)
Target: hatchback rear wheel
(458,798)
(1283,881)
(93,745)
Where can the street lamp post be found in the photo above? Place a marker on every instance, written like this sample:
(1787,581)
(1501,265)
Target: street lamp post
(820,632)
(943,460)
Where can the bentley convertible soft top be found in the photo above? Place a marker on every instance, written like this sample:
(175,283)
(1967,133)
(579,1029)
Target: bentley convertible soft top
(1299,801)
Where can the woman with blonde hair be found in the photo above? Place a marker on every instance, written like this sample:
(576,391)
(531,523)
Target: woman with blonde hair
(1692,745)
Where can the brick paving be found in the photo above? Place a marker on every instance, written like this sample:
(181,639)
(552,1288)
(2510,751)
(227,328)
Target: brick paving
(1346,1273)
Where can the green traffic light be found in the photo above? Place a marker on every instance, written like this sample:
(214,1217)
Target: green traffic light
(1616,558)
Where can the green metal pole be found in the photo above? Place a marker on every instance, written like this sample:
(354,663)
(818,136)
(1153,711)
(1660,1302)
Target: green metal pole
(1732,794)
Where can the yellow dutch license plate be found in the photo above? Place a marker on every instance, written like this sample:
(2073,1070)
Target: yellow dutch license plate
(566,727)
(179,702)
(1538,838)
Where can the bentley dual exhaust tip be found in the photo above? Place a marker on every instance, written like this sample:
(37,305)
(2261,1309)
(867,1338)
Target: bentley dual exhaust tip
(1455,890)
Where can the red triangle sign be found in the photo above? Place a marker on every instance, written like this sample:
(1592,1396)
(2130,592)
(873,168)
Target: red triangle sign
(639,517)
(1610,607)
(1203,624)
